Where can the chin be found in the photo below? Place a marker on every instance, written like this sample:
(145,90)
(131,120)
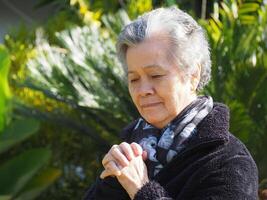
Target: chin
(154,120)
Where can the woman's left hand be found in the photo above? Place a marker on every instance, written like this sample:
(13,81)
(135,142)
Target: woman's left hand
(133,176)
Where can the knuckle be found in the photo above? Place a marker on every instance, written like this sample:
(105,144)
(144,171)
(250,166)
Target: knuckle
(104,159)
(126,147)
(113,149)
(111,166)
(107,167)
(114,146)
(135,145)
(116,154)
(113,154)
(124,144)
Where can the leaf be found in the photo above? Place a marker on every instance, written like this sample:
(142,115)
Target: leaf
(247,19)
(5,93)
(216,32)
(16,132)
(38,184)
(5,197)
(248,8)
(15,173)
(227,11)
(4,63)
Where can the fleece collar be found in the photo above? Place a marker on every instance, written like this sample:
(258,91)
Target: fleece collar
(215,126)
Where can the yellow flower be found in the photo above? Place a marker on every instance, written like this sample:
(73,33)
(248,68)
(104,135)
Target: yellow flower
(83,10)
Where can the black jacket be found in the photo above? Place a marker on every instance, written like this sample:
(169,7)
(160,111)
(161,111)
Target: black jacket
(215,165)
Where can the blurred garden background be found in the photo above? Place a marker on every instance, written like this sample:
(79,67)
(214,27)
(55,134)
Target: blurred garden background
(63,96)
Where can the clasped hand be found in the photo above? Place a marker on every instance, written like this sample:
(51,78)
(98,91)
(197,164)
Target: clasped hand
(125,162)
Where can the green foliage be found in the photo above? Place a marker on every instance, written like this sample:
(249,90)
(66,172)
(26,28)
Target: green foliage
(4,87)
(18,174)
(39,183)
(237,32)
(85,74)
(136,8)
(16,132)
(79,101)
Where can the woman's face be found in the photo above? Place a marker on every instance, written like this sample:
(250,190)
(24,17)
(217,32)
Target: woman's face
(155,84)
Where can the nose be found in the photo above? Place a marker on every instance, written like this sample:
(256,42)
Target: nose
(145,88)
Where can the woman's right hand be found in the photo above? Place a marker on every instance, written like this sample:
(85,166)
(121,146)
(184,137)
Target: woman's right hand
(119,157)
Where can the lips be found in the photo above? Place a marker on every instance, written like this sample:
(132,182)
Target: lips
(149,105)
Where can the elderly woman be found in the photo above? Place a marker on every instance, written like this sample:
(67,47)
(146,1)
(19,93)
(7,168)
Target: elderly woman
(180,147)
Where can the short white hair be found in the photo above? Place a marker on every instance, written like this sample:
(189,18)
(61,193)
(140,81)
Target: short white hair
(189,46)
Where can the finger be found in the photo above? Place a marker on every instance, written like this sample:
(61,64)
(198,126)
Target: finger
(104,174)
(111,169)
(137,149)
(108,156)
(106,159)
(107,173)
(119,157)
(144,155)
(127,150)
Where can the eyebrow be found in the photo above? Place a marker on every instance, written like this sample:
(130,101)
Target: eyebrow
(149,67)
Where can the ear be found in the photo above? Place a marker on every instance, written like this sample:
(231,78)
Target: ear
(195,78)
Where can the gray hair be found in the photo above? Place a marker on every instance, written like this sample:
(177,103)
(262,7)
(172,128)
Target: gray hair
(188,39)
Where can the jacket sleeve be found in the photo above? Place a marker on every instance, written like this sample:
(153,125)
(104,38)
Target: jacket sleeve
(152,190)
(235,179)
(106,189)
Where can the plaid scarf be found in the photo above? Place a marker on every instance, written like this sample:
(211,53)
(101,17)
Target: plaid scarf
(162,145)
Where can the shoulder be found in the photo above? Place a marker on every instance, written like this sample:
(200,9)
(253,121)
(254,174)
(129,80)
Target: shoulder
(235,164)
(229,157)
(238,154)
(230,168)
(239,169)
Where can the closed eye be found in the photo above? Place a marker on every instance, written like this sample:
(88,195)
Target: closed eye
(157,76)
(134,80)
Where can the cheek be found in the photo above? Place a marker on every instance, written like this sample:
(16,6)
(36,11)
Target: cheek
(173,94)
(168,89)
(180,97)
(172,101)
(168,93)
(133,95)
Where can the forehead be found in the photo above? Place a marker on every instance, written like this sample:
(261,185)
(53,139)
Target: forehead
(151,52)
